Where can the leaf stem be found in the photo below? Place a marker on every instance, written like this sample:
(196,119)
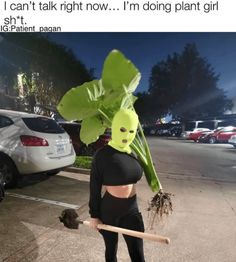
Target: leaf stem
(104,115)
(148,165)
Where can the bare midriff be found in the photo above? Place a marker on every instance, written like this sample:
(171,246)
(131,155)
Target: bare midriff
(124,191)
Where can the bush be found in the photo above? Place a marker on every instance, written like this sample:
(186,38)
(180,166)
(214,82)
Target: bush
(83,162)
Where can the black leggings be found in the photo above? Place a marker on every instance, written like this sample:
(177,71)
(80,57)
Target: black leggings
(122,212)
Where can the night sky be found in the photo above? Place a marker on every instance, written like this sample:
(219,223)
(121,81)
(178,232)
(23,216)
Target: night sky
(147,49)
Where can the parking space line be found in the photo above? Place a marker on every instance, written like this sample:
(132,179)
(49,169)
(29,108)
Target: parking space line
(47,201)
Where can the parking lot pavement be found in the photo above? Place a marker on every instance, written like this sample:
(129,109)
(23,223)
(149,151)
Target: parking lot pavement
(201,228)
(27,224)
(30,229)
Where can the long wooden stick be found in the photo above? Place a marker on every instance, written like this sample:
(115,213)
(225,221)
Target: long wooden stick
(129,232)
(70,219)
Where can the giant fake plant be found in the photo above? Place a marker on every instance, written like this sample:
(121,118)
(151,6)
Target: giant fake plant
(96,102)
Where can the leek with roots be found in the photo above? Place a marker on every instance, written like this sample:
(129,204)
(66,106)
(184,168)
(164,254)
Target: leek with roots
(95,104)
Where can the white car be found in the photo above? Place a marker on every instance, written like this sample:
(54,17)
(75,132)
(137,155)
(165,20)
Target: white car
(232,140)
(31,143)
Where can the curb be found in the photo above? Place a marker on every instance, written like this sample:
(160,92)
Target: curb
(77,170)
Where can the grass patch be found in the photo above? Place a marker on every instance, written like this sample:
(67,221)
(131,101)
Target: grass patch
(83,162)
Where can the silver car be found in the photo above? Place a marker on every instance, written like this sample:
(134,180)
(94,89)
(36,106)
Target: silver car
(31,143)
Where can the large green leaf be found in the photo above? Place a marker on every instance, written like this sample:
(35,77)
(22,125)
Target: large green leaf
(118,71)
(128,101)
(82,102)
(91,129)
(121,100)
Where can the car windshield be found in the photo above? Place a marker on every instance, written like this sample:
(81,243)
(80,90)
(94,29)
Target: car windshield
(206,124)
(43,125)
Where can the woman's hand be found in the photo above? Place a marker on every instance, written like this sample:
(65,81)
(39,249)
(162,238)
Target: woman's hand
(93,223)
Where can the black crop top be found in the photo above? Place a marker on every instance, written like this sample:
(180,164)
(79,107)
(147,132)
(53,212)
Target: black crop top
(112,168)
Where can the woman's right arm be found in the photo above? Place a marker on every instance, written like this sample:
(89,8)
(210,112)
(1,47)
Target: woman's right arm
(93,222)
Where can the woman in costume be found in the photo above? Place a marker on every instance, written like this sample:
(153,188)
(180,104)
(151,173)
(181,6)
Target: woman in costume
(116,170)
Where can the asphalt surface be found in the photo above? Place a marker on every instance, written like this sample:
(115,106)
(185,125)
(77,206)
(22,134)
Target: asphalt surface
(202,227)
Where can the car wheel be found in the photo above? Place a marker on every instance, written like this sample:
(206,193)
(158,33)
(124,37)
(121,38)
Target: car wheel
(8,172)
(53,173)
(212,140)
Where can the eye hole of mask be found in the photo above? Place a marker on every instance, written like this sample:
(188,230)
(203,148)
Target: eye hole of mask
(122,129)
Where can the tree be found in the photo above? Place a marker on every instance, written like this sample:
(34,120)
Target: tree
(47,69)
(142,107)
(185,85)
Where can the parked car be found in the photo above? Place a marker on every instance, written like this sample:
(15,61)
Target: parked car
(232,140)
(195,126)
(32,143)
(205,136)
(73,130)
(222,135)
(163,129)
(195,135)
(197,131)
(167,129)
(150,130)
(175,131)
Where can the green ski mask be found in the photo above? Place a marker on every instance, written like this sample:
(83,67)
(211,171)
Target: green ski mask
(123,130)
